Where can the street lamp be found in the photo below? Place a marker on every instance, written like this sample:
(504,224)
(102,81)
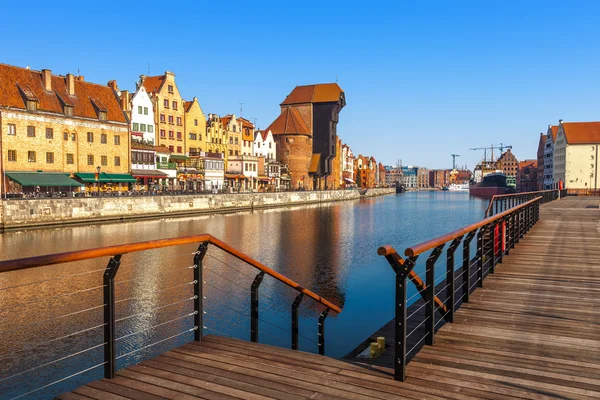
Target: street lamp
(98,179)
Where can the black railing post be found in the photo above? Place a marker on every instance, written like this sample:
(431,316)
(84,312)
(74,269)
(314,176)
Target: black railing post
(321,333)
(254,306)
(467,265)
(480,256)
(450,278)
(198,295)
(110,366)
(295,325)
(430,293)
(513,230)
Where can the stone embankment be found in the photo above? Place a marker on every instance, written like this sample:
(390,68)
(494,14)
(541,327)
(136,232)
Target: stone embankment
(37,213)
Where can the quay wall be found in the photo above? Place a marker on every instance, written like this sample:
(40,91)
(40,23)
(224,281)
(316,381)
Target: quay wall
(36,213)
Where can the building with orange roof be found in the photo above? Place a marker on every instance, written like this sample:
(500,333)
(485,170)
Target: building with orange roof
(576,155)
(365,172)
(548,174)
(527,176)
(306,133)
(233,127)
(169,113)
(59,124)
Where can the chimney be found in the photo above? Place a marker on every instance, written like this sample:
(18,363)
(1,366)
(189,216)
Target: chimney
(70,84)
(80,78)
(125,100)
(113,85)
(47,79)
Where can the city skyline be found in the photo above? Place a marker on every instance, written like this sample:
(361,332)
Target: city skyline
(424,83)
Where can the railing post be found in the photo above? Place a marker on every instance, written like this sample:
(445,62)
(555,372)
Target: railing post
(430,293)
(254,306)
(295,325)
(110,366)
(502,239)
(198,295)
(494,228)
(322,331)
(467,266)
(450,278)
(480,256)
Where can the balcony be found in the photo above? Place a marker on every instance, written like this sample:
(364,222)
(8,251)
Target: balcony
(165,165)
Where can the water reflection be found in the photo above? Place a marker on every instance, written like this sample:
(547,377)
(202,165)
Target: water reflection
(330,249)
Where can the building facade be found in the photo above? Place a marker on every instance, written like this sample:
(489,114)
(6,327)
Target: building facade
(264,145)
(527,176)
(409,177)
(508,163)
(194,127)
(61,124)
(549,182)
(576,152)
(234,133)
(216,136)
(141,114)
(540,162)
(169,112)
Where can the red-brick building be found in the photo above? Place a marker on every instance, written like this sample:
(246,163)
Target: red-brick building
(527,175)
(508,163)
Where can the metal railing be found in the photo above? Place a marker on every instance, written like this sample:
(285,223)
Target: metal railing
(503,202)
(416,324)
(118,254)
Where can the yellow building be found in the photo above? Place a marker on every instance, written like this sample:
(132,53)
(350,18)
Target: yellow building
(247,137)
(169,112)
(576,152)
(216,136)
(233,126)
(195,127)
(59,124)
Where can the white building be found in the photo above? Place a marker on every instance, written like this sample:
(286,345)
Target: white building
(347,161)
(549,157)
(264,145)
(214,171)
(576,155)
(248,167)
(142,116)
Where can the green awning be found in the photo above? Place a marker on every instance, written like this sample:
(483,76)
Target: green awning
(87,177)
(43,179)
(178,157)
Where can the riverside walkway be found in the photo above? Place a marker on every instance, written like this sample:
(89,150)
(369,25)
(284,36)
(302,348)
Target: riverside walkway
(531,331)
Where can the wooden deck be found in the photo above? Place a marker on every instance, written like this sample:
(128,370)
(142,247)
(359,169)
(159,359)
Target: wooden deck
(532,332)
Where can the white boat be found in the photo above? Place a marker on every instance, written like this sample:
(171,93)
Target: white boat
(459,187)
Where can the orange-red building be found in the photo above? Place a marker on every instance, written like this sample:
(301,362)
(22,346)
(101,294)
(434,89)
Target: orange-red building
(527,176)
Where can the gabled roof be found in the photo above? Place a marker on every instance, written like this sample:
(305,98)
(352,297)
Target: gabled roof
(553,129)
(263,134)
(289,122)
(226,119)
(187,105)
(246,123)
(162,149)
(581,132)
(19,84)
(152,84)
(319,93)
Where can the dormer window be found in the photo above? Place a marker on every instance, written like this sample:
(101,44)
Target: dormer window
(68,111)
(32,105)
(102,115)
(100,109)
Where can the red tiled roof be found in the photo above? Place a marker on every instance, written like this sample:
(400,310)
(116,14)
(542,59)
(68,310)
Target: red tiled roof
(528,163)
(581,132)
(319,93)
(554,130)
(152,84)
(162,149)
(289,122)
(226,119)
(187,105)
(246,123)
(17,84)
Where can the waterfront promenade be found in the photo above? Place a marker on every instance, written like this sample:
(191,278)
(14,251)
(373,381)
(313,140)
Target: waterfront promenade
(530,332)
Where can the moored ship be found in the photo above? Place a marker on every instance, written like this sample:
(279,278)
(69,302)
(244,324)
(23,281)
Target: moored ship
(455,187)
(491,185)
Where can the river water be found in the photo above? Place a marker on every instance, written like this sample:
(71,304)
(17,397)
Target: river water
(55,313)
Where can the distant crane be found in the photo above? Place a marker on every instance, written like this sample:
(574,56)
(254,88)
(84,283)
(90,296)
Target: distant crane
(500,147)
(454,160)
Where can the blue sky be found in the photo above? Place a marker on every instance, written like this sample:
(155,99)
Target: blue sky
(423,79)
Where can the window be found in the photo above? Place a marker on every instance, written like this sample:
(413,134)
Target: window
(103,138)
(69,111)
(162,118)
(230,152)
(145,110)
(117,140)
(236,152)
(139,109)
(104,160)
(12,129)
(258,145)
(269,144)
(166,103)
(254,167)
(136,126)
(178,120)
(31,131)
(237,141)
(73,137)
(90,137)
(178,135)
(66,136)
(170,87)
(287,152)
(171,148)
(174,105)
(162,133)
(31,105)
(70,159)
(150,128)
(12,155)
(171,135)
(170,119)
(102,115)
(90,159)
(117,161)
(143,127)
(195,122)
(49,133)
(246,166)
(199,136)
(49,158)
(31,156)
(234,128)
(179,149)
(230,140)
(193,136)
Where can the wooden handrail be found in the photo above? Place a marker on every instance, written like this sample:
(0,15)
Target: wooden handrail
(79,255)
(430,244)
(501,196)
